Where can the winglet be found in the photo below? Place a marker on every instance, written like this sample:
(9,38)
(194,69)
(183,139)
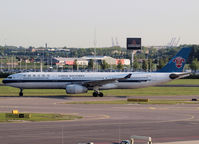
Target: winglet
(128,76)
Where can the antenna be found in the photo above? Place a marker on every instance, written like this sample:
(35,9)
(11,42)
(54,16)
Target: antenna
(1,63)
(113,44)
(174,42)
(46,46)
(116,42)
(177,42)
(95,43)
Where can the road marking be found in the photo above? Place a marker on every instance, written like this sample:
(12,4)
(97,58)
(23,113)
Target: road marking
(191,117)
(96,117)
(152,108)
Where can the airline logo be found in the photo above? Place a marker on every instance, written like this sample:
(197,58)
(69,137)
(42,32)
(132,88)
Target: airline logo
(178,61)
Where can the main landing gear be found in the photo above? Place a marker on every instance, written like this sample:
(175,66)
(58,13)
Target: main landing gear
(21,92)
(97,93)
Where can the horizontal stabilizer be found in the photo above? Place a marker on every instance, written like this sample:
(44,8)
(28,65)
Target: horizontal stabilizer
(177,76)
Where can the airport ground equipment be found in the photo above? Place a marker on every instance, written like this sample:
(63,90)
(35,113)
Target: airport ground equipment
(15,114)
(148,139)
(132,139)
(125,142)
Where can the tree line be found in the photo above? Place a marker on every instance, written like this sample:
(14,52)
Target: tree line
(149,59)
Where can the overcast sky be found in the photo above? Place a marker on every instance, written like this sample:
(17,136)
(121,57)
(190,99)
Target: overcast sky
(72,23)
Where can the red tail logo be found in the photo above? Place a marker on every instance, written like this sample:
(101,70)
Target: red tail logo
(179,61)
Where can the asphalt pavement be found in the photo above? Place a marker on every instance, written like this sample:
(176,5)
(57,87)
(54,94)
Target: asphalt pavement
(102,123)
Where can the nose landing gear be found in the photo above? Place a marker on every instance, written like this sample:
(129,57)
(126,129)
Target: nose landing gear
(21,92)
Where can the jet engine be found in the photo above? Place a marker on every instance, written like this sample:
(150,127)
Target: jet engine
(75,89)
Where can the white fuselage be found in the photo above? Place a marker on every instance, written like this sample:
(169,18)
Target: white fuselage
(59,80)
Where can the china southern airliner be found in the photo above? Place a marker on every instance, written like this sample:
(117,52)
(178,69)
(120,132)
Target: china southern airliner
(81,82)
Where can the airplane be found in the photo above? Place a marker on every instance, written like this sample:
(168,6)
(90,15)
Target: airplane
(81,82)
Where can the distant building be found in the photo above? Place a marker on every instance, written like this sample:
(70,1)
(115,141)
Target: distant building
(27,61)
(109,60)
(12,64)
(158,47)
(69,61)
(123,61)
(84,60)
(32,49)
(51,49)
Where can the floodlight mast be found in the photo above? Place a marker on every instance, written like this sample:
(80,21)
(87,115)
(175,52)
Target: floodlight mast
(95,43)
(133,44)
(1,63)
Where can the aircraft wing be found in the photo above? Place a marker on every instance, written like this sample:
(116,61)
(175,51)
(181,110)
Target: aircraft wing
(95,83)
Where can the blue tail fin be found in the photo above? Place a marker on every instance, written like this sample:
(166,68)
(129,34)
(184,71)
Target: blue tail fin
(176,64)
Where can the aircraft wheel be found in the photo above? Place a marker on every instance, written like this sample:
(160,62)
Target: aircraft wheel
(100,94)
(95,94)
(20,94)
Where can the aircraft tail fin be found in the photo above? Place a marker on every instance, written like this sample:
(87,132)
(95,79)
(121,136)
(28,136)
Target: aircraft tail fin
(177,63)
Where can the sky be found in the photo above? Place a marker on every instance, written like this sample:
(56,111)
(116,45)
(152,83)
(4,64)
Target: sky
(77,23)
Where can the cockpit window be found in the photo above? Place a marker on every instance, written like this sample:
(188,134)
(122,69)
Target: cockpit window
(9,77)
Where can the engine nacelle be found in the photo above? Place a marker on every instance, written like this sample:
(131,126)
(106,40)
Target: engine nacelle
(75,89)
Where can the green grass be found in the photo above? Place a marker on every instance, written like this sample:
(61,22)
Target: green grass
(40,117)
(127,102)
(174,82)
(155,91)
(149,91)
(184,82)
(10,91)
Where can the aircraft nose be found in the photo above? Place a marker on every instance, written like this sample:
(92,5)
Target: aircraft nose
(4,81)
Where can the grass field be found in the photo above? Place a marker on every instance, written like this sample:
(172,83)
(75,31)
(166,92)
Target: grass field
(39,117)
(1,80)
(150,91)
(184,82)
(174,82)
